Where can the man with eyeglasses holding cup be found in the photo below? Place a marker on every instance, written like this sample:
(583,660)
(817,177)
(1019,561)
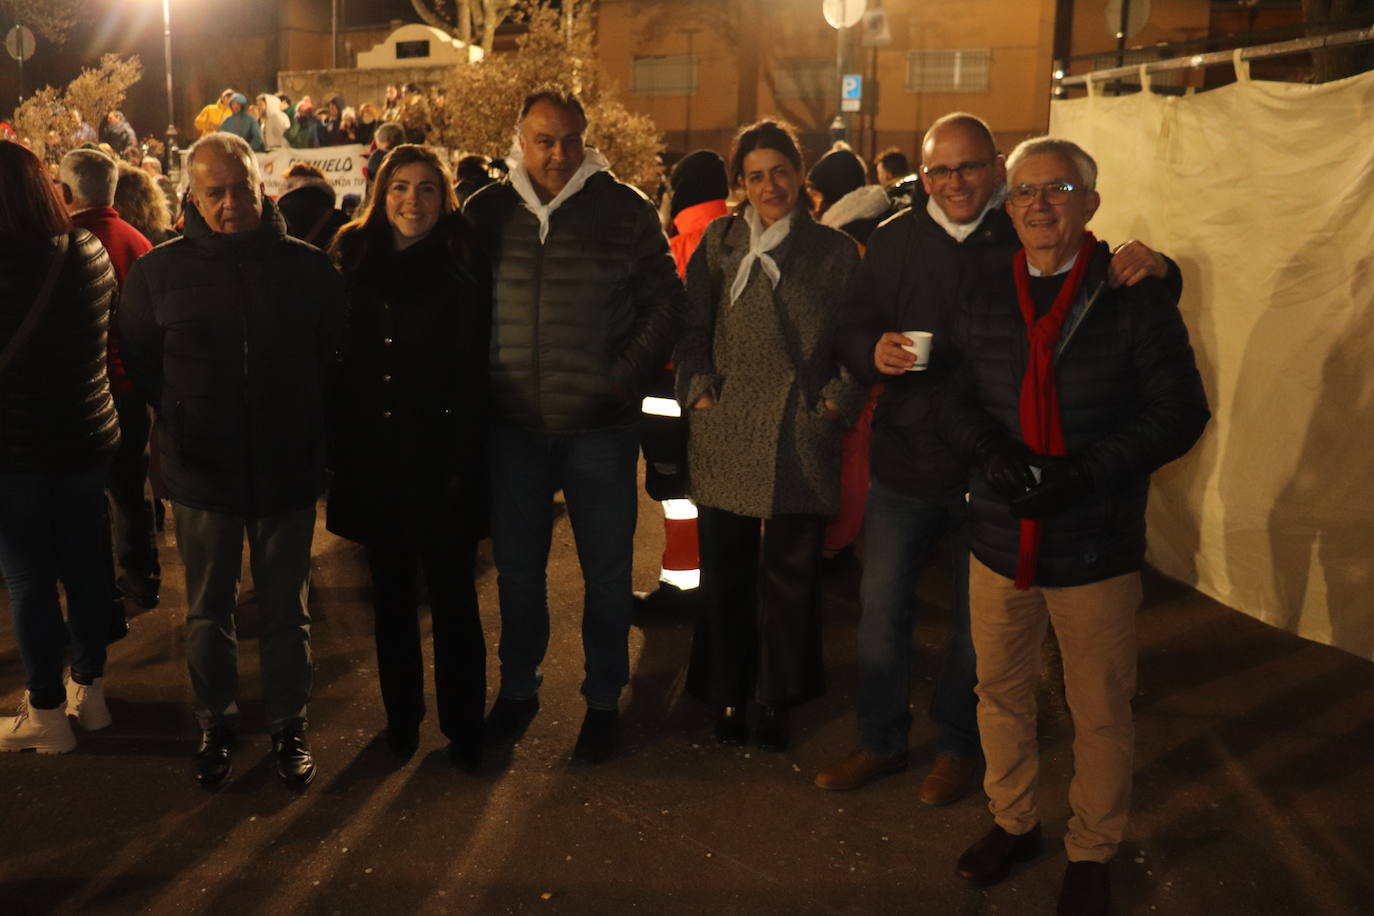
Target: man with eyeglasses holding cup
(1068,394)
(915,264)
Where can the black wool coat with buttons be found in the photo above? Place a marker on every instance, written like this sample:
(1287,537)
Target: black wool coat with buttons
(408,428)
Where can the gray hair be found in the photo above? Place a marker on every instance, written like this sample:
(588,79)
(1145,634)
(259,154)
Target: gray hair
(228,145)
(390,134)
(1039,146)
(91,175)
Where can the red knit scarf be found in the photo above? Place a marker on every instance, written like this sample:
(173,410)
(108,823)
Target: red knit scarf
(1042,427)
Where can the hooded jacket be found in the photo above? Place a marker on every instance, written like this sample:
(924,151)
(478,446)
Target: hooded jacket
(120,135)
(56,413)
(229,338)
(310,212)
(587,299)
(244,125)
(859,212)
(275,122)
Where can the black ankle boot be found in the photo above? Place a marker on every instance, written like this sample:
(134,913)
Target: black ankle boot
(772,733)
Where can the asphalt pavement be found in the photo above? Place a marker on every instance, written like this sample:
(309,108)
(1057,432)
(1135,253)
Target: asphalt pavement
(1254,789)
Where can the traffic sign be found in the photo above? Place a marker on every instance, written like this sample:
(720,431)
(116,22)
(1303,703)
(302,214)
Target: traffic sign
(852,86)
(20,43)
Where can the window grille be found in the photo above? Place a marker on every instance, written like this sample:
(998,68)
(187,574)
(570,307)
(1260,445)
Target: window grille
(948,71)
(665,74)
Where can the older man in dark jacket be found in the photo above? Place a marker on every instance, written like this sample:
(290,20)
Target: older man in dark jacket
(587,304)
(227,332)
(1069,394)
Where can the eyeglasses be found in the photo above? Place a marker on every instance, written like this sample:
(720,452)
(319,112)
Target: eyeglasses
(1056,192)
(942,173)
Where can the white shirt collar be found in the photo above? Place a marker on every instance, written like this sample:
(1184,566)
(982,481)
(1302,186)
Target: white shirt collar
(1065,268)
(961,231)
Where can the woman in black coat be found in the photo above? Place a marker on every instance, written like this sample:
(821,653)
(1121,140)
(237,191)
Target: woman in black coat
(408,437)
(58,431)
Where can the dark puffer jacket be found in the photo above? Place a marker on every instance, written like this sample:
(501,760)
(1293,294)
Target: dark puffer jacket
(582,323)
(229,337)
(56,413)
(909,281)
(1131,401)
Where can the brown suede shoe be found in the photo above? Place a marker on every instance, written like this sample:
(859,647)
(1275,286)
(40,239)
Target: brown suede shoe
(990,859)
(949,780)
(858,769)
(1086,891)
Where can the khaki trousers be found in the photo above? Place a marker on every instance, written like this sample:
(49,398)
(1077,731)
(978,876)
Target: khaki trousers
(1095,625)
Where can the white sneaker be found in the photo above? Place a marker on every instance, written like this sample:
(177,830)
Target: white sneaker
(87,704)
(46,731)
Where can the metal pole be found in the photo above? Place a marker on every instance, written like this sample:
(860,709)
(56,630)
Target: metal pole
(171,108)
(839,65)
(334,34)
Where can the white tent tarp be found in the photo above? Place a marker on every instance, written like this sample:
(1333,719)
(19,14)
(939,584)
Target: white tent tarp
(1264,195)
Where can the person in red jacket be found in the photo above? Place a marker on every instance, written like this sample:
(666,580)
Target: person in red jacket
(699,188)
(88,186)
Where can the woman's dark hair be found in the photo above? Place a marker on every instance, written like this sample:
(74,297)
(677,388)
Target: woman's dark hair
(369,234)
(29,207)
(775,135)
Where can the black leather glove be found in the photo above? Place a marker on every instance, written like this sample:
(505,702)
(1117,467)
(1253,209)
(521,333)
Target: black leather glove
(1063,482)
(1004,464)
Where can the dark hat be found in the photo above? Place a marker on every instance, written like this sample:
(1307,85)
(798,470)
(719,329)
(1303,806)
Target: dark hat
(836,174)
(696,179)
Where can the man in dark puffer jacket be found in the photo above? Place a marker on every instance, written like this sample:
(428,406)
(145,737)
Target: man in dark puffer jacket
(227,332)
(587,304)
(1068,396)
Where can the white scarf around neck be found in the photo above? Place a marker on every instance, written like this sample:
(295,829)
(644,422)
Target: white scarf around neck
(524,186)
(961,231)
(761,241)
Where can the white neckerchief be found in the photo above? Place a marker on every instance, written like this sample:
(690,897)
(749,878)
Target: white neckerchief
(520,181)
(761,241)
(961,231)
(1068,266)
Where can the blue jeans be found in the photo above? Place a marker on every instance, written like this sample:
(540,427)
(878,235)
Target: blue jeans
(900,532)
(51,528)
(211,545)
(596,472)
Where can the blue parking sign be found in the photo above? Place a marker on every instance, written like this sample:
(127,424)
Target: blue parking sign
(851,87)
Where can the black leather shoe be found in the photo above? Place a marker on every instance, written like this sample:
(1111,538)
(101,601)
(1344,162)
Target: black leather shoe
(599,736)
(1087,890)
(403,738)
(295,763)
(772,732)
(465,746)
(732,727)
(990,859)
(508,719)
(214,760)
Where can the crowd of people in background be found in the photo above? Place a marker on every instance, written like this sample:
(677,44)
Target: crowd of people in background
(946,355)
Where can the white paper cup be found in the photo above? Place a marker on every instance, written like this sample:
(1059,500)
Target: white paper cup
(919,349)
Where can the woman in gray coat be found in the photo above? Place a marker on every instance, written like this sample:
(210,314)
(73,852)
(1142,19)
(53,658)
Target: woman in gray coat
(768,406)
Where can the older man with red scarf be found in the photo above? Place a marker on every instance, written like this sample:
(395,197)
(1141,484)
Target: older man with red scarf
(1070,393)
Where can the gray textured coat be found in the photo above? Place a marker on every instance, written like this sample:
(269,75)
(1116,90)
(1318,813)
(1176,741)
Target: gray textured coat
(766,448)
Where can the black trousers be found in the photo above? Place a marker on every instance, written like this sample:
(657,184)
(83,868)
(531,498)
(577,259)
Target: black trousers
(759,633)
(438,544)
(134,536)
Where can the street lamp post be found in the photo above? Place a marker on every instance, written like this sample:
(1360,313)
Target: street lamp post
(170,149)
(841,15)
